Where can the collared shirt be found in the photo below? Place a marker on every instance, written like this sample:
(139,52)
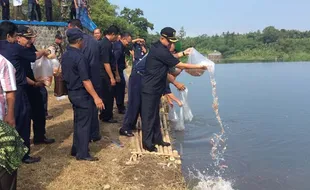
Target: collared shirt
(91,52)
(119,55)
(75,70)
(158,62)
(138,53)
(7,82)
(106,51)
(20,57)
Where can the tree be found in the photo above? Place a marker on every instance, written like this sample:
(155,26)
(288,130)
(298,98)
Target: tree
(182,33)
(270,35)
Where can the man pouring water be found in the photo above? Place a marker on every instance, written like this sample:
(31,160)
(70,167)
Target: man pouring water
(158,62)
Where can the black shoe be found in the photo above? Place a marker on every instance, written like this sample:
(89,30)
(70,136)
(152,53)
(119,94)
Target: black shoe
(126,133)
(91,159)
(44,141)
(31,160)
(150,149)
(95,139)
(73,153)
(121,111)
(163,143)
(110,121)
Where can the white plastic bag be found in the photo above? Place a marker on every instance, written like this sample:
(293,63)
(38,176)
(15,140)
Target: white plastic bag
(188,116)
(197,58)
(180,124)
(172,115)
(56,65)
(43,71)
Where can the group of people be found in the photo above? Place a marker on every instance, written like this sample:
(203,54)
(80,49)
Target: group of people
(91,73)
(69,9)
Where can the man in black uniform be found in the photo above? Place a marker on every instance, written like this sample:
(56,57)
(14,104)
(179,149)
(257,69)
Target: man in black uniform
(97,34)
(38,114)
(91,51)
(158,62)
(108,73)
(81,92)
(5,9)
(19,55)
(119,49)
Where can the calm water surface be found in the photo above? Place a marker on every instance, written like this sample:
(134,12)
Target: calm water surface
(266,112)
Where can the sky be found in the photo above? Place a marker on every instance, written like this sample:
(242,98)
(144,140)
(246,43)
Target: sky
(217,16)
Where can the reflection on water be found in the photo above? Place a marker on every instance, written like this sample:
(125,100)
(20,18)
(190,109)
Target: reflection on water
(266,113)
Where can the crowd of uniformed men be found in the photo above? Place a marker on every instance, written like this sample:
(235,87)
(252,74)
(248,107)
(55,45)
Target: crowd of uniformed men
(91,73)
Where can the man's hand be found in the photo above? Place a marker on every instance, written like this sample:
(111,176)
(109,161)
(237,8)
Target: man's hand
(117,78)
(39,84)
(188,51)
(204,67)
(113,82)
(99,103)
(9,119)
(179,86)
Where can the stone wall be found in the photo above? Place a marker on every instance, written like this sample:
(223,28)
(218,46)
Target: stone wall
(46,35)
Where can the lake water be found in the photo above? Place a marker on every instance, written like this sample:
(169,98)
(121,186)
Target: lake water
(265,108)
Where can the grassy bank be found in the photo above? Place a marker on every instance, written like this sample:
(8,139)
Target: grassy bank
(60,171)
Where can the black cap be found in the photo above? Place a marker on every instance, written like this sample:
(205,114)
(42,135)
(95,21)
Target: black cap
(169,34)
(74,34)
(25,32)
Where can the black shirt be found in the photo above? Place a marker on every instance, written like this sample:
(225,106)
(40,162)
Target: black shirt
(138,53)
(158,62)
(20,57)
(106,51)
(119,55)
(91,52)
(29,71)
(75,70)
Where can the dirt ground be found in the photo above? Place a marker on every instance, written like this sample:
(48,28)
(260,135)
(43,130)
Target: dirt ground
(60,171)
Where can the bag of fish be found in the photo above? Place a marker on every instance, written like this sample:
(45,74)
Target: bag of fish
(197,58)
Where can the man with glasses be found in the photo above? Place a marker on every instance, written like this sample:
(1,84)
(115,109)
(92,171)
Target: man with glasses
(119,48)
(158,62)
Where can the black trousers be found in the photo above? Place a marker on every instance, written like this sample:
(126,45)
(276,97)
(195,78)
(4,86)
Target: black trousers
(94,129)
(37,112)
(38,8)
(49,13)
(6,12)
(107,95)
(134,102)
(83,106)
(22,115)
(120,92)
(44,98)
(151,133)
(7,181)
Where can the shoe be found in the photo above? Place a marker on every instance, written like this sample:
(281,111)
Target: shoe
(163,143)
(91,159)
(31,160)
(44,141)
(73,153)
(49,117)
(95,139)
(150,149)
(110,121)
(126,133)
(122,111)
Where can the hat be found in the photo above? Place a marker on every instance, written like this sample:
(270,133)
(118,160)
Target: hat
(74,34)
(169,34)
(25,32)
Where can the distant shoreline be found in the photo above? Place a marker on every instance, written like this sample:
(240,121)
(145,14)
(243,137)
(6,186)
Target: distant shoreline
(258,61)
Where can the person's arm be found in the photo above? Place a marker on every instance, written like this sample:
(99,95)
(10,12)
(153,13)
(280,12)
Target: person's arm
(90,89)
(181,65)
(117,51)
(174,98)
(83,71)
(41,53)
(136,40)
(178,85)
(105,53)
(34,83)
(183,53)
(8,84)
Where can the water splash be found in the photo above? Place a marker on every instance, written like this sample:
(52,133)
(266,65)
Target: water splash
(207,182)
